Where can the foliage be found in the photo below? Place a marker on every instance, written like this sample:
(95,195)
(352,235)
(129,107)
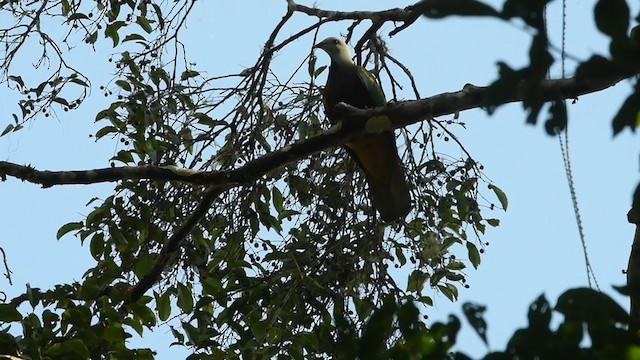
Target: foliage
(294,262)
(593,326)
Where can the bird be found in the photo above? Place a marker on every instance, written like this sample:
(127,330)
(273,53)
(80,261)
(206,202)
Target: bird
(375,154)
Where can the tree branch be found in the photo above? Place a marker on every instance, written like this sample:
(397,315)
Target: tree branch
(172,244)
(401,114)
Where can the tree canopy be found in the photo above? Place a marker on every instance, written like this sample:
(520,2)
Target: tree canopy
(236,216)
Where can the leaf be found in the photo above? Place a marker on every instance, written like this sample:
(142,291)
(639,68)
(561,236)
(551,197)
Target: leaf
(557,121)
(104,131)
(64,229)
(437,9)
(134,37)
(143,265)
(7,129)
(185,300)
(474,314)
(416,280)
(144,23)
(17,79)
(9,313)
(163,306)
(111,31)
(124,156)
(531,11)
(159,15)
(629,113)
(65,349)
(92,38)
(596,67)
(96,246)
(77,16)
(474,254)
(278,200)
(612,17)
(65,7)
(501,196)
(188,74)
(124,85)
(584,304)
(79,82)
(449,291)
(60,101)
(539,314)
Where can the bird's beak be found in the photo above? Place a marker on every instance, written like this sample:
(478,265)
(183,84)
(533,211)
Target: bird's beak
(319,45)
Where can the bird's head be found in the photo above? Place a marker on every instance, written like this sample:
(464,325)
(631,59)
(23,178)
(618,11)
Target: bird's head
(337,50)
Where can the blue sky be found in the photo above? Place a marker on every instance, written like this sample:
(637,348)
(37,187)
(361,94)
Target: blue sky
(535,250)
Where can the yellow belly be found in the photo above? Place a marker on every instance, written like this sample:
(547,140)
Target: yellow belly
(374,154)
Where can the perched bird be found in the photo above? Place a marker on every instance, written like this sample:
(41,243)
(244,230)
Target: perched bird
(376,154)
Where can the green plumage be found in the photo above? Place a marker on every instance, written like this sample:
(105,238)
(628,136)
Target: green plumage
(377,154)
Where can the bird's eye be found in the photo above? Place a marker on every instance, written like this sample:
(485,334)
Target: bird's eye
(335,41)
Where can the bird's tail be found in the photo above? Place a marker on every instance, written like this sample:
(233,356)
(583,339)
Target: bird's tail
(377,156)
(392,200)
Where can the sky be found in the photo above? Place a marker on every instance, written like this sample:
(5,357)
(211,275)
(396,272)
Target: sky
(535,250)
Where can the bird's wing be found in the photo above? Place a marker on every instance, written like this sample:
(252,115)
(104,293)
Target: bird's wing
(372,87)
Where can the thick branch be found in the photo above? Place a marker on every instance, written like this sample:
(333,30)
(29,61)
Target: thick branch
(401,114)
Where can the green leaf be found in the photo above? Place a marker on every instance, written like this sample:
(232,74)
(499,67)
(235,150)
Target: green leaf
(134,37)
(188,74)
(124,156)
(474,314)
(111,31)
(159,15)
(629,113)
(416,281)
(558,118)
(65,350)
(92,38)
(114,334)
(596,67)
(64,229)
(612,17)
(17,79)
(7,129)
(185,300)
(79,82)
(96,246)
(124,85)
(278,200)
(65,7)
(448,290)
(163,306)
(104,131)
(437,9)
(501,196)
(474,254)
(144,23)
(144,264)
(584,304)
(9,313)
(531,11)
(77,16)
(60,101)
